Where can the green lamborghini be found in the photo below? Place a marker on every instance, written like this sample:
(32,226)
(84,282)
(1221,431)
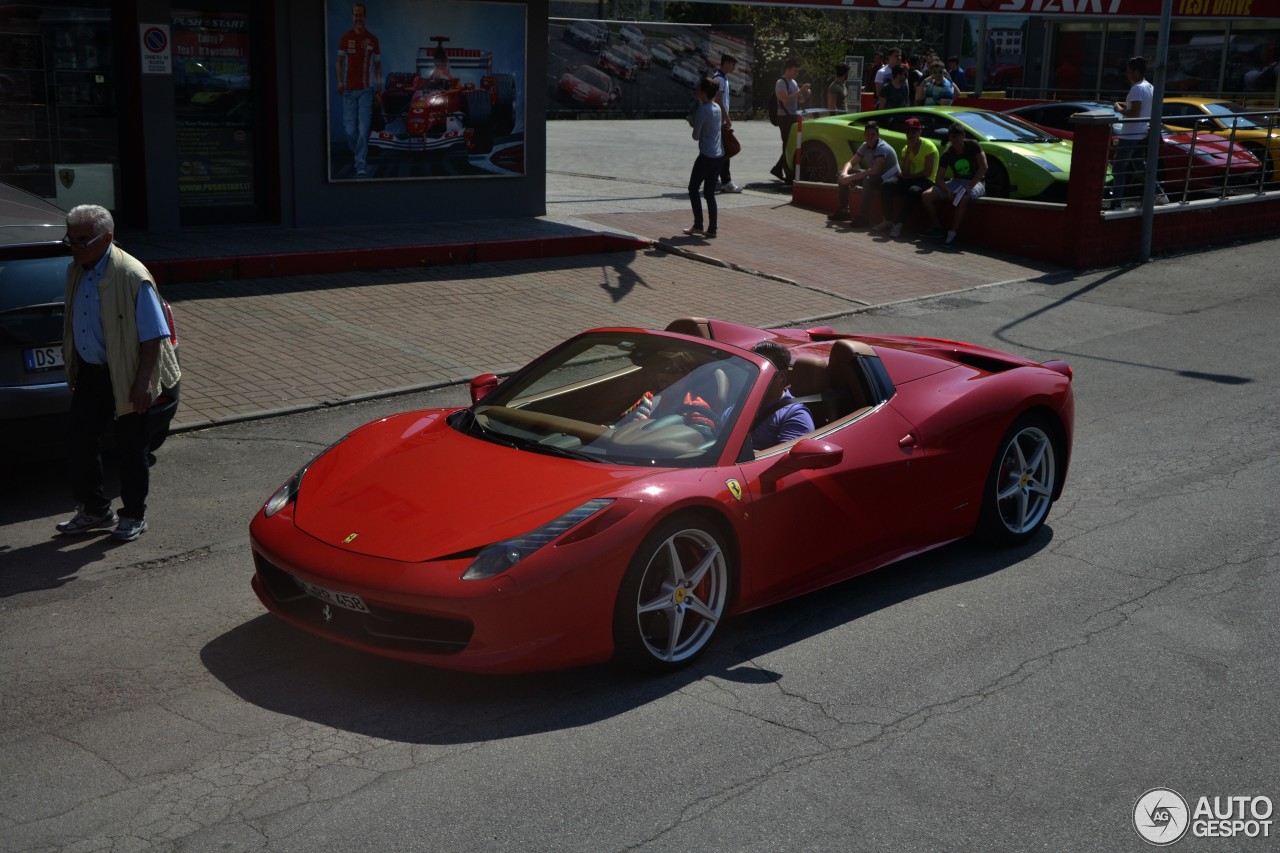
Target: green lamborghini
(1022,161)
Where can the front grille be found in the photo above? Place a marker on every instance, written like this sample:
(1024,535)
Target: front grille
(382,627)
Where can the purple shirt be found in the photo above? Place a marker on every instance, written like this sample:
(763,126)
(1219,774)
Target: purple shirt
(785,422)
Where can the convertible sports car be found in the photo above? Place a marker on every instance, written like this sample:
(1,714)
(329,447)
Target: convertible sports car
(1022,161)
(606,501)
(1204,163)
(1258,132)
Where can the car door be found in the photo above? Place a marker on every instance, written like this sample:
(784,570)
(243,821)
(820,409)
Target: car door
(813,527)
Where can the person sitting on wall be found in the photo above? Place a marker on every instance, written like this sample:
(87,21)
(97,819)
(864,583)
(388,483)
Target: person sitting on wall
(961,172)
(879,169)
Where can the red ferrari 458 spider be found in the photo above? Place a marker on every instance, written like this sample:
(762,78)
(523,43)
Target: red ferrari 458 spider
(607,500)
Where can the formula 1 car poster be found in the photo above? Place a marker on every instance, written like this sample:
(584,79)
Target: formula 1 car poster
(420,89)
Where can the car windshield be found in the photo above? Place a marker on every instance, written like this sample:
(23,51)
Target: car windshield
(994,127)
(593,77)
(1226,112)
(628,399)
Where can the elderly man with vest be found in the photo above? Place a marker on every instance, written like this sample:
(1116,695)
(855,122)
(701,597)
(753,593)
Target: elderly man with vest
(118,354)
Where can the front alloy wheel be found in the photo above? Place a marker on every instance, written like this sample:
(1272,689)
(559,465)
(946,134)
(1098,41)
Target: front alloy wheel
(672,598)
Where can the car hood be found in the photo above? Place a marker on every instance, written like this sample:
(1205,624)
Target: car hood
(412,488)
(1058,153)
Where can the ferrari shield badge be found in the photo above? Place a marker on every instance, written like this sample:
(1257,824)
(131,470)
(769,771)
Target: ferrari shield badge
(67,176)
(735,489)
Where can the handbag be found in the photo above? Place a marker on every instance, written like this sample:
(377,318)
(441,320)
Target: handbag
(730,142)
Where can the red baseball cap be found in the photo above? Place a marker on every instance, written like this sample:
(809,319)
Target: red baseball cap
(911,122)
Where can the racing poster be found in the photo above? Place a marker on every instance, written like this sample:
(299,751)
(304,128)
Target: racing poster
(425,89)
(640,69)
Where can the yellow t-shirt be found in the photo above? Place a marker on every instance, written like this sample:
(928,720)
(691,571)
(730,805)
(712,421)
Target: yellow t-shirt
(914,164)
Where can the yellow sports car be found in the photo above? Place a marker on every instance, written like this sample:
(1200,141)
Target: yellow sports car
(1254,129)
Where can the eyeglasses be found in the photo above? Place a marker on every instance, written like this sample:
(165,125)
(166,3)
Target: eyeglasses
(81,244)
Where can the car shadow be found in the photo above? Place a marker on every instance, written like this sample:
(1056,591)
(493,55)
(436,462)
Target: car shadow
(280,668)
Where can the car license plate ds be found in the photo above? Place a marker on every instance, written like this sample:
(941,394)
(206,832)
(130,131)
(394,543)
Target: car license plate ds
(339,599)
(37,359)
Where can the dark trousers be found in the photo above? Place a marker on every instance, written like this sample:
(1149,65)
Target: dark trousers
(703,176)
(870,184)
(787,166)
(1129,168)
(93,406)
(725,177)
(911,190)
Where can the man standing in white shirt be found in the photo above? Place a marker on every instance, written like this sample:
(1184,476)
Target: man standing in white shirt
(1131,149)
(728,62)
(892,61)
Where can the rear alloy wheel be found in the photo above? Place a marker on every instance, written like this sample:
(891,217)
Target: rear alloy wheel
(672,598)
(1021,484)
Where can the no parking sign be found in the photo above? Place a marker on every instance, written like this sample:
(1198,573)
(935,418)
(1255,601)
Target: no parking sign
(156,57)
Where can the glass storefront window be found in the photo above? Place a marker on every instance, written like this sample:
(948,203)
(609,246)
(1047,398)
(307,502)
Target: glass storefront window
(59,125)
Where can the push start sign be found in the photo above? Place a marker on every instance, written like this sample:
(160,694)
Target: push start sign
(156,51)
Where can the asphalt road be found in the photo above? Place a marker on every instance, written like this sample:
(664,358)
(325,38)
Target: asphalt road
(967,699)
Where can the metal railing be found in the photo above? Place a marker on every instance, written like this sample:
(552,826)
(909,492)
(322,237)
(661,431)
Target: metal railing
(1200,161)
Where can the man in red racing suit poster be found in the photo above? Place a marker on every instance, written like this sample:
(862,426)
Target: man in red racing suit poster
(359,70)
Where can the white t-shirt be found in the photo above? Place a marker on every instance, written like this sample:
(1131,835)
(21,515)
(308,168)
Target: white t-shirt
(1142,92)
(782,89)
(723,79)
(883,75)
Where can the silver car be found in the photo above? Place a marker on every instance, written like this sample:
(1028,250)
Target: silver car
(34,398)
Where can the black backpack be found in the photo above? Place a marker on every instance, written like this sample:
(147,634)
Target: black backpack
(775,108)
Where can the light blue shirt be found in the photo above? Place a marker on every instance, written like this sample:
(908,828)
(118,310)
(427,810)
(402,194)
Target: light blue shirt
(706,129)
(86,321)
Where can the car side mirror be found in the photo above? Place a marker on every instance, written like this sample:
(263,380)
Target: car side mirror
(807,454)
(482,385)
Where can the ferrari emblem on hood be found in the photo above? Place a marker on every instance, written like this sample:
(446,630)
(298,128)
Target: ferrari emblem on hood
(735,489)
(350,539)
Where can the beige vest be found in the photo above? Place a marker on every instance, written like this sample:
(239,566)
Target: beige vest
(118,292)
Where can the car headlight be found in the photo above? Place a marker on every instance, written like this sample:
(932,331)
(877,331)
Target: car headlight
(287,493)
(500,556)
(1044,164)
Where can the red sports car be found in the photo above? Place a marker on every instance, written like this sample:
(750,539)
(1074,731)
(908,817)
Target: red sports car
(587,86)
(608,500)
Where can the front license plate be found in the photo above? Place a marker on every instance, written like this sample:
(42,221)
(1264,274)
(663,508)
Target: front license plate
(338,599)
(42,358)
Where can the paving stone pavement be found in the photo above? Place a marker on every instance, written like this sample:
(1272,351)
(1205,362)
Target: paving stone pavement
(253,347)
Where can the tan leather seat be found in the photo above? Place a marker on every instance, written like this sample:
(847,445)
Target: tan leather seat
(694,327)
(848,378)
(811,378)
